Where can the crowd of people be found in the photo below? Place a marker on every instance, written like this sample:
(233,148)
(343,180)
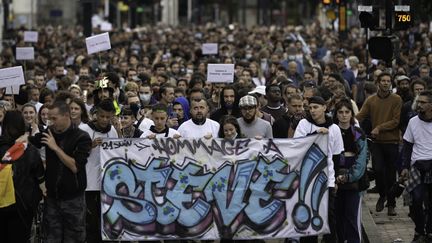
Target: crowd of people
(289,82)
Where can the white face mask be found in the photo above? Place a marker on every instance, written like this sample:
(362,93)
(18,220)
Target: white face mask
(145,97)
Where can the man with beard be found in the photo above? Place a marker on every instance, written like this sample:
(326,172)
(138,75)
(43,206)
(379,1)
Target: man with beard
(199,126)
(97,129)
(274,105)
(417,163)
(229,104)
(403,88)
(408,109)
(384,109)
(287,124)
(250,125)
(361,79)
(318,122)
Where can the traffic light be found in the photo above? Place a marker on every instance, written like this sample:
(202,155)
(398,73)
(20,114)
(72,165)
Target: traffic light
(384,47)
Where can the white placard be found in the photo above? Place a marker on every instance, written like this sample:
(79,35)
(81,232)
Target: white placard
(210,49)
(402,8)
(220,73)
(13,76)
(98,43)
(31,36)
(25,53)
(12,90)
(365,8)
(105,26)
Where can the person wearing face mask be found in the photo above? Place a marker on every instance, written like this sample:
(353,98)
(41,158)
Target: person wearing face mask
(384,109)
(229,128)
(146,94)
(229,104)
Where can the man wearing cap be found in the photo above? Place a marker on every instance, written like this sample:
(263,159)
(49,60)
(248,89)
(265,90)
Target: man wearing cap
(317,122)
(252,126)
(384,109)
(260,92)
(403,88)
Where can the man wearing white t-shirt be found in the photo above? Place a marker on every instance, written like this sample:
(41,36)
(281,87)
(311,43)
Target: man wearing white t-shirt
(317,122)
(199,125)
(97,130)
(417,156)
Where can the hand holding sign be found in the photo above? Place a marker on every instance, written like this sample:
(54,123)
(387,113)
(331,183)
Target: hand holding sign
(98,43)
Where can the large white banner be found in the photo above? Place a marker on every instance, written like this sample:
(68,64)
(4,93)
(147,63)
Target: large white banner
(211,189)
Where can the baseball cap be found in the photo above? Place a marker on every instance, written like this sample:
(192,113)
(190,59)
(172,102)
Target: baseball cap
(259,90)
(317,100)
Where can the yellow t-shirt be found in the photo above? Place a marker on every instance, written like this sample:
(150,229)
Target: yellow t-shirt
(7,190)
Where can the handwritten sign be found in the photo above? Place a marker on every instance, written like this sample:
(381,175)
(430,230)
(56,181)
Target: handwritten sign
(31,36)
(210,49)
(98,43)
(13,76)
(213,189)
(220,73)
(25,53)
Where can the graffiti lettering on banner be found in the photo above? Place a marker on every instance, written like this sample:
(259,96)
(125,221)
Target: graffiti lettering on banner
(213,188)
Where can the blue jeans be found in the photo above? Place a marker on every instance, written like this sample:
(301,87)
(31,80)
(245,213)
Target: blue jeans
(64,220)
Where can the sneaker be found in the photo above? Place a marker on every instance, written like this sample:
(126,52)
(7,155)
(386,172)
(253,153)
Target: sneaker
(380,204)
(418,238)
(391,211)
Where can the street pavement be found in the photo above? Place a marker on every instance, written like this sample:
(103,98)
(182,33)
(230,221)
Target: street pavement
(381,228)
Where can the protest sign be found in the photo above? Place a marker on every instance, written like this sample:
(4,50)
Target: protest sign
(13,76)
(98,43)
(209,48)
(25,53)
(31,36)
(167,188)
(220,73)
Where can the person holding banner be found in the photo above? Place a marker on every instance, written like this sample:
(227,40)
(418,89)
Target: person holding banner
(351,181)
(160,129)
(317,122)
(97,129)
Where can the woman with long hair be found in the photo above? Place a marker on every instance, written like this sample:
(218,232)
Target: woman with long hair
(229,128)
(29,113)
(21,192)
(350,177)
(78,111)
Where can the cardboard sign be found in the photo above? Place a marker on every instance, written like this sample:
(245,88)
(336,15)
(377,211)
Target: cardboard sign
(25,53)
(98,43)
(13,76)
(220,73)
(210,49)
(31,36)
